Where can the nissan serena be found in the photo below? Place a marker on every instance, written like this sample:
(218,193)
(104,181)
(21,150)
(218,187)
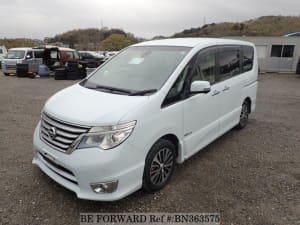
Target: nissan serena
(151,106)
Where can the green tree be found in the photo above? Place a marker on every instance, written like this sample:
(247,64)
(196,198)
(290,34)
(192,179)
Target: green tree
(14,43)
(116,42)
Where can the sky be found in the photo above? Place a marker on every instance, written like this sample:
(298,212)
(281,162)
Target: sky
(143,18)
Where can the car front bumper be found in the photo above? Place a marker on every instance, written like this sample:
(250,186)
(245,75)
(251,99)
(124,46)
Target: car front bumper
(78,170)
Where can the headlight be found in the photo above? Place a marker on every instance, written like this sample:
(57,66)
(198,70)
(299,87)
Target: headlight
(106,137)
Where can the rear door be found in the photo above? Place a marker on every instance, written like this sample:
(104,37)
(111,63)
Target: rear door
(287,58)
(229,68)
(30,60)
(38,59)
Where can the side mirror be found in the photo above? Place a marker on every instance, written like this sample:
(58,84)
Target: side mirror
(28,57)
(200,87)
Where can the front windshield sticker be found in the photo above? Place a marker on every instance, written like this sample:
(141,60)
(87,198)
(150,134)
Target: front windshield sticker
(136,61)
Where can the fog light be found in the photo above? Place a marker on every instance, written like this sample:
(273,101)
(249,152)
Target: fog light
(104,187)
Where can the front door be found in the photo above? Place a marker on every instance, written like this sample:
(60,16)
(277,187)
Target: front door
(202,111)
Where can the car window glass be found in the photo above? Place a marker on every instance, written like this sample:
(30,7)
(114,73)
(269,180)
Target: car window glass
(140,67)
(276,50)
(39,54)
(288,51)
(54,54)
(206,68)
(229,64)
(1,51)
(70,55)
(177,90)
(248,56)
(29,55)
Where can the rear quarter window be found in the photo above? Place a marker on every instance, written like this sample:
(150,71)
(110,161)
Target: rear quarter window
(248,57)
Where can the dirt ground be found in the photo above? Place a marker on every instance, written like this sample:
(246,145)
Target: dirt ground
(250,176)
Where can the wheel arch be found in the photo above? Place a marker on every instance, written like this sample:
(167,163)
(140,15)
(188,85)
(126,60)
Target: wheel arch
(249,101)
(178,146)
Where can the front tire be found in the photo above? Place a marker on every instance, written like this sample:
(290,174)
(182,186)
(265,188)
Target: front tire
(6,74)
(159,165)
(244,115)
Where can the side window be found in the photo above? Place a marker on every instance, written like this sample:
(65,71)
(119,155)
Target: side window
(29,55)
(285,51)
(229,64)
(54,55)
(288,51)
(177,90)
(207,67)
(70,55)
(1,51)
(39,54)
(248,56)
(276,50)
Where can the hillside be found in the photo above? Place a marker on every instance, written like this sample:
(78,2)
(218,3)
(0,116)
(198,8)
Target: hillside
(91,38)
(263,26)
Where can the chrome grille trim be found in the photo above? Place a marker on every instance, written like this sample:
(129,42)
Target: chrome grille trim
(64,126)
(66,133)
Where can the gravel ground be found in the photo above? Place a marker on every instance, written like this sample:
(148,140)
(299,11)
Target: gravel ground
(250,176)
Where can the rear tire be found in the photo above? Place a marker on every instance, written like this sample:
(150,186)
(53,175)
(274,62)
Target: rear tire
(244,115)
(159,165)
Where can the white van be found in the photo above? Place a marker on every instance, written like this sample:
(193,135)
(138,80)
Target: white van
(153,105)
(14,56)
(3,52)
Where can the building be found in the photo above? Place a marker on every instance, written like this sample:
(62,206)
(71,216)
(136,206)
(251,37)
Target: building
(276,54)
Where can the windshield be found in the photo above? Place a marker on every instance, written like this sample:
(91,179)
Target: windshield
(15,54)
(139,68)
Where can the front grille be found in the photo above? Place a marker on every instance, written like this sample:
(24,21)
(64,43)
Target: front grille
(11,67)
(63,134)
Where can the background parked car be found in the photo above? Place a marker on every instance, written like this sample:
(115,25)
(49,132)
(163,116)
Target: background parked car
(31,57)
(108,55)
(93,59)
(57,56)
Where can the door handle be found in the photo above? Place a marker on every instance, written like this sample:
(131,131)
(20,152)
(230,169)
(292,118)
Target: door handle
(226,88)
(216,93)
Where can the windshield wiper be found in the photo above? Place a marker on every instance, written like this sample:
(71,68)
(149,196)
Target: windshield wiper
(113,89)
(120,90)
(143,92)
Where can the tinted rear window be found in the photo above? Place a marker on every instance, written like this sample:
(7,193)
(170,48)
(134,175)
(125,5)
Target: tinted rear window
(229,64)
(39,54)
(248,57)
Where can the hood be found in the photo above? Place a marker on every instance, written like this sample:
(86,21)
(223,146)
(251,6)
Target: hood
(12,61)
(83,106)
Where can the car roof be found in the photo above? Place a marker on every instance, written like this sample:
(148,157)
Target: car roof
(55,47)
(24,49)
(191,42)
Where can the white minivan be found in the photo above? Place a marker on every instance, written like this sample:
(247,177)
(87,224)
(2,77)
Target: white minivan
(151,106)
(14,56)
